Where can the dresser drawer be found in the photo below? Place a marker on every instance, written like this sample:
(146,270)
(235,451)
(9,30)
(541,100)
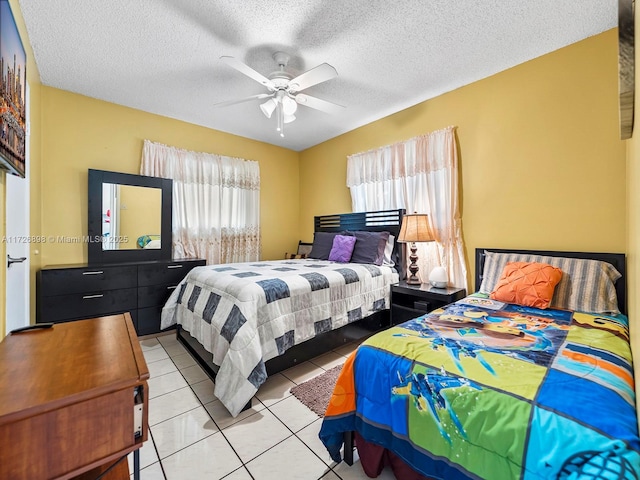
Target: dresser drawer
(149,320)
(89,304)
(79,280)
(154,295)
(165,273)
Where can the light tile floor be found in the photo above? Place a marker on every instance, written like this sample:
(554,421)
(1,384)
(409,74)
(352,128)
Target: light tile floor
(192,436)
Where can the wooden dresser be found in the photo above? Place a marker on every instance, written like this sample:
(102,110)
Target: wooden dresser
(73,397)
(72,292)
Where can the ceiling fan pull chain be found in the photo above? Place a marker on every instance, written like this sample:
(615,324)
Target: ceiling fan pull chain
(280,119)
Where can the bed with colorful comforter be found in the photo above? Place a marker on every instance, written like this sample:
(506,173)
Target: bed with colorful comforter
(248,313)
(486,390)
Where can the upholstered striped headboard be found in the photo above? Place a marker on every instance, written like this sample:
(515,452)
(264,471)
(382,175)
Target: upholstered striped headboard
(618,260)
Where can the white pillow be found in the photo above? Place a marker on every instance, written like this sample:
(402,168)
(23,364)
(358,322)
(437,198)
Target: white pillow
(387,261)
(153,244)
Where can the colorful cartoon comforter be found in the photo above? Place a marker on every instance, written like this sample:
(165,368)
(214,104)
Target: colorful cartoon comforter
(482,389)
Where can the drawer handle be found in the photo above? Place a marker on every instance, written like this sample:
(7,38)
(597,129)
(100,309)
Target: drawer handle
(99,272)
(174,266)
(100,295)
(172,288)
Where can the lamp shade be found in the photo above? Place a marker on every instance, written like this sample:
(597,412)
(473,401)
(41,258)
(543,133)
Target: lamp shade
(415,228)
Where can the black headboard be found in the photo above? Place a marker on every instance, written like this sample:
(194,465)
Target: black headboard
(380,221)
(618,260)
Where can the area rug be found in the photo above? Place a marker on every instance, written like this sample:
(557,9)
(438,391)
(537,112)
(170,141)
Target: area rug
(315,393)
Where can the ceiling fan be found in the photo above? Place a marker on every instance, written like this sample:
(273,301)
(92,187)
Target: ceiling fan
(284,88)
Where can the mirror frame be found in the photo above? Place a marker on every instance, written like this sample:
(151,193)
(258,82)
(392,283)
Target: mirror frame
(96,254)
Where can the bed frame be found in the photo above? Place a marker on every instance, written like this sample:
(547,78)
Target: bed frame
(618,260)
(385,220)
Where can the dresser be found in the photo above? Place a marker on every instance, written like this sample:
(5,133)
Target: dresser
(76,291)
(73,399)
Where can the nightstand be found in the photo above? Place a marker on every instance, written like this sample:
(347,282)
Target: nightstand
(411,301)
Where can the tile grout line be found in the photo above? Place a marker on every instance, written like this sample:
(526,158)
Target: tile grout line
(294,433)
(174,416)
(219,430)
(243,464)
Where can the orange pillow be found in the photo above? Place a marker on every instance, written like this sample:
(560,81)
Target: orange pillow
(527,283)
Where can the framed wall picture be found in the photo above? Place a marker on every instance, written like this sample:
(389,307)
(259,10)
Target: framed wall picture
(626,66)
(13,84)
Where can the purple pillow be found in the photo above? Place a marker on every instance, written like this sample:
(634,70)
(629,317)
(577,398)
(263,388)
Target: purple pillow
(342,248)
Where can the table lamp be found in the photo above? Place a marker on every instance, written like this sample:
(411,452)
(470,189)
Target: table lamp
(415,228)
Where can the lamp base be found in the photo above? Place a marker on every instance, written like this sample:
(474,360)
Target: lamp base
(413,267)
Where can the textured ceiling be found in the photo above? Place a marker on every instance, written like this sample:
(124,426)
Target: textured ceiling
(163,56)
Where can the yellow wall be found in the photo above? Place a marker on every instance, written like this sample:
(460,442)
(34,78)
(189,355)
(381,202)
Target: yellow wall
(81,133)
(140,214)
(541,162)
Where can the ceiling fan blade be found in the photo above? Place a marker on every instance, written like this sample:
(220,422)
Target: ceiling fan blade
(248,71)
(318,104)
(242,100)
(316,75)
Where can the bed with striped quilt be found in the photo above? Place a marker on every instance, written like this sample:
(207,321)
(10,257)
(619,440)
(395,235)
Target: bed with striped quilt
(248,313)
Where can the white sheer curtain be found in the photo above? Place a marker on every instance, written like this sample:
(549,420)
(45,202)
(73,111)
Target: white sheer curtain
(420,175)
(216,202)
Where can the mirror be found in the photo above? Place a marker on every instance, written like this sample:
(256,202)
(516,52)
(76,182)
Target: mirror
(129,217)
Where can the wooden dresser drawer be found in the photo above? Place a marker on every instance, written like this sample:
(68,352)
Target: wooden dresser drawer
(67,399)
(88,304)
(90,279)
(168,273)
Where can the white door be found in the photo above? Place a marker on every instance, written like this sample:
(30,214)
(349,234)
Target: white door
(17,216)
(17,245)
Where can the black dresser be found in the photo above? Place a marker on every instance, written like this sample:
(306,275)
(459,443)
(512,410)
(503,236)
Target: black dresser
(78,291)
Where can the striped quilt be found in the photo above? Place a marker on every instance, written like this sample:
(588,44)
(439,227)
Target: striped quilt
(486,390)
(248,313)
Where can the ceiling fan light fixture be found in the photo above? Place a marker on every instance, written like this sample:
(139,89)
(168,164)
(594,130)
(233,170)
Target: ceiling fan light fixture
(289,105)
(284,88)
(268,107)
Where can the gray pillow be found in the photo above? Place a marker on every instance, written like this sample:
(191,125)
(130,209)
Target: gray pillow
(369,247)
(322,243)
